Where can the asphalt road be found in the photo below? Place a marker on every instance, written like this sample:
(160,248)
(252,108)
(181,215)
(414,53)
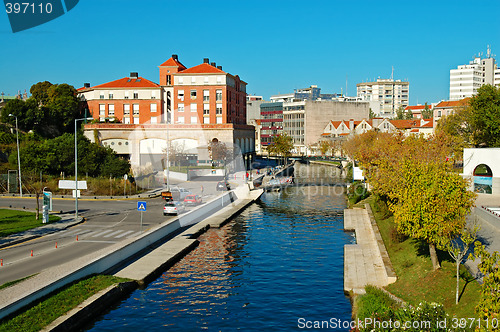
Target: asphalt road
(106,222)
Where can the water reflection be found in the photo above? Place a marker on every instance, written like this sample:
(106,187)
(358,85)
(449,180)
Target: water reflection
(280,260)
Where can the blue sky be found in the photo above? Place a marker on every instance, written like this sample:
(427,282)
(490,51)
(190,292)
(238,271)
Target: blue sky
(275,46)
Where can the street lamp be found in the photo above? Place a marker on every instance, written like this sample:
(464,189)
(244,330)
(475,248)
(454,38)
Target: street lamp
(18,159)
(76,168)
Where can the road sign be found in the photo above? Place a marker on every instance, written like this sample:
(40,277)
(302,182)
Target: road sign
(75,192)
(68,184)
(141,206)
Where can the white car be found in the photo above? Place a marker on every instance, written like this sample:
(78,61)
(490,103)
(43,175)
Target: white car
(173,207)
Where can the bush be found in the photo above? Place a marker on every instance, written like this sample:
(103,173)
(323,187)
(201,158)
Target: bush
(396,236)
(357,192)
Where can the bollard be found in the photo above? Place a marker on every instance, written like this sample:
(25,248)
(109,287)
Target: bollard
(31,253)
(1,262)
(77,237)
(56,245)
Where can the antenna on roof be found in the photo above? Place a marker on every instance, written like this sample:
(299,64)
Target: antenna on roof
(392,74)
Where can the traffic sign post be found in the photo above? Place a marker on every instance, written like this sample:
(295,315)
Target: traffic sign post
(141,206)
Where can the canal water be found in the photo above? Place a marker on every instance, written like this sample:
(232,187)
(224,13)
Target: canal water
(278,266)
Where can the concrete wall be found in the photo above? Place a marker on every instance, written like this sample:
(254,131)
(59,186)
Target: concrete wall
(20,295)
(319,113)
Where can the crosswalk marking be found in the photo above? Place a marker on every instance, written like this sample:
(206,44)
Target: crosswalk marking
(101,233)
(122,235)
(133,235)
(114,233)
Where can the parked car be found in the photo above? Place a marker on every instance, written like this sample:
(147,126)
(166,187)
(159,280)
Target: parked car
(192,200)
(173,207)
(223,186)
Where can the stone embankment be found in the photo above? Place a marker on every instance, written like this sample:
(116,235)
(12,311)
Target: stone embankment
(366,262)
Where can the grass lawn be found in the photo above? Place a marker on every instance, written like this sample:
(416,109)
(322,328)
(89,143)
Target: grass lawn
(48,310)
(13,221)
(417,281)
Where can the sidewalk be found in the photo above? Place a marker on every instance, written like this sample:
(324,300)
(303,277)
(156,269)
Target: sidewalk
(67,220)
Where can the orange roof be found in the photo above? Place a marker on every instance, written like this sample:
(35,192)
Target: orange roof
(202,69)
(128,82)
(418,107)
(414,131)
(173,63)
(336,124)
(405,124)
(453,103)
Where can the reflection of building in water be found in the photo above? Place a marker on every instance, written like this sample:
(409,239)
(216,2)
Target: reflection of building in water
(207,270)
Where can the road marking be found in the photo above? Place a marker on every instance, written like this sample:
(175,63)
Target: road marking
(122,235)
(114,233)
(134,235)
(97,241)
(102,233)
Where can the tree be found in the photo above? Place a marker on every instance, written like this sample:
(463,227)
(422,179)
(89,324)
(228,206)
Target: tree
(485,116)
(427,113)
(325,146)
(489,303)
(39,92)
(402,114)
(458,248)
(282,145)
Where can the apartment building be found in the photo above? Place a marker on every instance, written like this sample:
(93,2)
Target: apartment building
(467,79)
(385,96)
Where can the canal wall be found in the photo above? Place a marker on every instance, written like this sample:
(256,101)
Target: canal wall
(22,294)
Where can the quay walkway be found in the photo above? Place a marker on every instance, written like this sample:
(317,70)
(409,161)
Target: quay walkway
(366,262)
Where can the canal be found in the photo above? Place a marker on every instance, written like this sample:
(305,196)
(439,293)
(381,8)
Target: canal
(276,267)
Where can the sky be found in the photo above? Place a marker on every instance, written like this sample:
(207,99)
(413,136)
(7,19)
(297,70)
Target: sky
(275,46)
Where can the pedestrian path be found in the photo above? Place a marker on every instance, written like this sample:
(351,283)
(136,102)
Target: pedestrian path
(367,261)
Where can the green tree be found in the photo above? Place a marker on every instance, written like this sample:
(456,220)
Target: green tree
(485,116)
(427,113)
(402,114)
(325,146)
(39,92)
(489,303)
(282,145)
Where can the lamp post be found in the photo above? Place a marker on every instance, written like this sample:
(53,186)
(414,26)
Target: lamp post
(76,167)
(18,159)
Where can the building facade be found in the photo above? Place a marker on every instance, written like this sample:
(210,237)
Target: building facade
(187,110)
(385,95)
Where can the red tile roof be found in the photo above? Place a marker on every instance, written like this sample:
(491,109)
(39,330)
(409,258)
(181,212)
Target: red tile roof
(453,103)
(202,69)
(173,63)
(128,82)
(417,107)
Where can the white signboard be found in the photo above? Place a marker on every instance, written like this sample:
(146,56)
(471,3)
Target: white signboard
(357,174)
(74,193)
(68,184)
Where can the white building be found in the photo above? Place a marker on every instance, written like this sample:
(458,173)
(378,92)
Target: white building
(467,79)
(385,96)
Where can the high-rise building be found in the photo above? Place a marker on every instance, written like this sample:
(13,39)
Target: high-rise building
(385,96)
(467,79)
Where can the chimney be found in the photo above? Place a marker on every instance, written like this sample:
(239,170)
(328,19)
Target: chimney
(219,67)
(213,64)
(86,85)
(205,60)
(174,56)
(134,74)
(351,124)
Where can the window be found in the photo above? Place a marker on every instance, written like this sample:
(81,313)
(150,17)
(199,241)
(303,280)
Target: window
(127,120)
(206,80)
(126,94)
(152,108)
(206,109)
(206,95)
(180,119)
(193,94)
(153,94)
(218,95)
(219,120)
(136,94)
(135,108)
(180,94)
(126,109)
(136,120)
(218,109)
(102,110)
(169,80)
(101,95)
(181,108)
(193,80)
(439,113)
(111,110)
(154,119)
(110,95)
(194,119)
(193,108)
(206,119)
